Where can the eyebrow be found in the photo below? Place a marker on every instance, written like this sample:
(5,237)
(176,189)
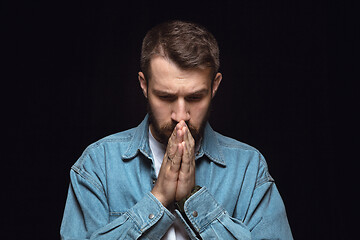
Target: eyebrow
(199,92)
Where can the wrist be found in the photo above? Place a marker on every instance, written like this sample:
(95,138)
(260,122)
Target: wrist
(161,198)
(180,204)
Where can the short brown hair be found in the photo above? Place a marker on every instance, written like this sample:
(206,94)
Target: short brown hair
(187,44)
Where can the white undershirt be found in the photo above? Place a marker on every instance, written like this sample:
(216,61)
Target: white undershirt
(177,230)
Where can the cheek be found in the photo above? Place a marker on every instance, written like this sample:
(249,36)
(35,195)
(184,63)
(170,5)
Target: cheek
(198,112)
(161,111)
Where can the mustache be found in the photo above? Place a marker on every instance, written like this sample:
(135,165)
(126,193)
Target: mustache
(169,127)
(165,130)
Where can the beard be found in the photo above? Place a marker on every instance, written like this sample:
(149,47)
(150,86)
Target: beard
(163,132)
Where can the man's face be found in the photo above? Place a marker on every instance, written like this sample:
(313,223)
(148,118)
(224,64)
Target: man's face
(174,94)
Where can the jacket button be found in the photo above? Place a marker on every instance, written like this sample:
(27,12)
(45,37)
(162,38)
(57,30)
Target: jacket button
(153,181)
(151,216)
(195,213)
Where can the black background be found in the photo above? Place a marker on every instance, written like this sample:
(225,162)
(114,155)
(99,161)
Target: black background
(70,78)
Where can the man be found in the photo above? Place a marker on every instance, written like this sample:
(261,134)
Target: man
(173,177)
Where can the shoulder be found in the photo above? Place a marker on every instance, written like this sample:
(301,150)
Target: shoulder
(120,137)
(244,154)
(231,143)
(99,151)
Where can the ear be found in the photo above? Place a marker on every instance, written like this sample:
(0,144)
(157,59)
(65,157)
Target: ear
(216,83)
(143,83)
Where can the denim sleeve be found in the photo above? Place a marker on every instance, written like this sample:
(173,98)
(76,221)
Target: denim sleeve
(259,213)
(266,217)
(86,214)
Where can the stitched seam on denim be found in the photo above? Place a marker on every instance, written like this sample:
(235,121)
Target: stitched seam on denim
(128,149)
(237,144)
(260,182)
(96,145)
(211,221)
(129,229)
(155,200)
(257,223)
(106,140)
(226,227)
(162,208)
(172,217)
(214,159)
(134,221)
(128,154)
(244,149)
(202,228)
(220,151)
(221,159)
(198,193)
(187,227)
(145,154)
(267,177)
(102,170)
(267,170)
(86,176)
(152,222)
(214,232)
(100,142)
(116,213)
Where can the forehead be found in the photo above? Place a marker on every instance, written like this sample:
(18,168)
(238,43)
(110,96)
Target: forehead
(165,74)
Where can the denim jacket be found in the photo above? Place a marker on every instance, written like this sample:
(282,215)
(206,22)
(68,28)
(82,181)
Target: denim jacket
(109,195)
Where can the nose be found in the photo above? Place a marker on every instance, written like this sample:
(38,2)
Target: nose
(180,111)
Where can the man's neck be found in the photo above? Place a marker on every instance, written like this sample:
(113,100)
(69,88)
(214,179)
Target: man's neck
(153,133)
(156,141)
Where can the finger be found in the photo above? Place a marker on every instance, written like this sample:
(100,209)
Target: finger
(179,136)
(190,142)
(172,138)
(189,137)
(188,163)
(176,138)
(170,150)
(176,160)
(172,142)
(180,125)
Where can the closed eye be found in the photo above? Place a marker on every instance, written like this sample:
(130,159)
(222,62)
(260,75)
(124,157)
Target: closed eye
(194,98)
(169,98)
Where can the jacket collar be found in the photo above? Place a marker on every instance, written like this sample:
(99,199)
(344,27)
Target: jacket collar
(210,146)
(140,143)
